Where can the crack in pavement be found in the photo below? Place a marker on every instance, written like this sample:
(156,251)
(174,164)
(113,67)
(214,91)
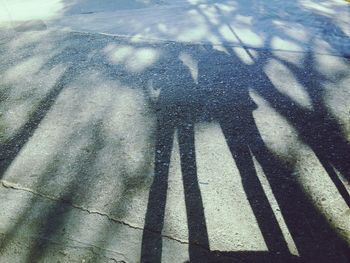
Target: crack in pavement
(14,186)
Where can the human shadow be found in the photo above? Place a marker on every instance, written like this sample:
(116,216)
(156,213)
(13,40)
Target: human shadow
(317,127)
(306,225)
(175,116)
(221,94)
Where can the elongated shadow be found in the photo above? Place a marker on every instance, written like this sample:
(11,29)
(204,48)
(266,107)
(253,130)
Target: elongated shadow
(310,231)
(152,234)
(197,229)
(239,147)
(154,220)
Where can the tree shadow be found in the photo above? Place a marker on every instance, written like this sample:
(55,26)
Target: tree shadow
(73,63)
(55,215)
(11,148)
(317,128)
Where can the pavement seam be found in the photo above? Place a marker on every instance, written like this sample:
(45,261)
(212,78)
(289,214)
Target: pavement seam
(226,44)
(14,186)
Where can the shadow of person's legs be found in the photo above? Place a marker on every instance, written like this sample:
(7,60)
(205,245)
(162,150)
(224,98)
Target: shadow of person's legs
(197,229)
(312,234)
(238,137)
(198,238)
(151,250)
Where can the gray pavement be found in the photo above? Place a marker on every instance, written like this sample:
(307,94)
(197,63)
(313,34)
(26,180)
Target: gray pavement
(156,149)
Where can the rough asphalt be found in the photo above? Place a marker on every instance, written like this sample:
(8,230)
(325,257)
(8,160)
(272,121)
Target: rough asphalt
(136,149)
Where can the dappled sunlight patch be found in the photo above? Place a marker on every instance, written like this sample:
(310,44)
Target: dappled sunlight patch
(163,27)
(22,100)
(195,2)
(144,58)
(26,39)
(332,67)
(149,38)
(134,59)
(248,37)
(336,92)
(285,82)
(297,32)
(324,46)
(221,48)
(337,99)
(228,7)
(191,64)
(215,41)
(279,43)
(278,135)
(24,69)
(226,33)
(153,92)
(210,13)
(15,117)
(194,34)
(295,58)
(247,20)
(278,23)
(118,54)
(196,30)
(243,55)
(319,6)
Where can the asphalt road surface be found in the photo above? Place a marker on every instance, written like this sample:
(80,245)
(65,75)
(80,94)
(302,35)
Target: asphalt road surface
(174,131)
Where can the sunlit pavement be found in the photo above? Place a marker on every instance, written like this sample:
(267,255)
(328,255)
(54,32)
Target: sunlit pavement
(174,131)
